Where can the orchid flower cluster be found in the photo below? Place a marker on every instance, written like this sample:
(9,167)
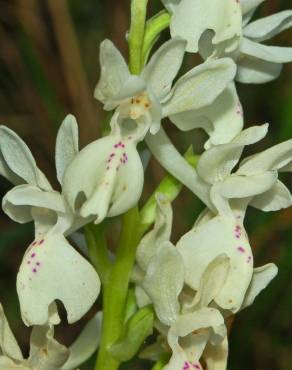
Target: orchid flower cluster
(186,291)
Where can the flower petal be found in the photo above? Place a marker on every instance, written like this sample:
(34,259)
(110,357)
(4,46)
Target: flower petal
(168,156)
(66,145)
(86,344)
(8,343)
(200,86)
(204,243)
(103,173)
(211,283)
(192,17)
(262,276)
(17,203)
(114,72)
(276,198)
(222,120)
(217,163)
(267,27)
(45,352)
(271,159)
(216,356)
(165,267)
(51,269)
(170,54)
(273,54)
(249,5)
(170,4)
(20,160)
(161,232)
(251,70)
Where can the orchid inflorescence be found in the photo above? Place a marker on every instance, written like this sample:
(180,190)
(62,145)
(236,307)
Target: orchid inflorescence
(186,292)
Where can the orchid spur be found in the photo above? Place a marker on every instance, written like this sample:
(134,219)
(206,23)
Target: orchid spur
(51,268)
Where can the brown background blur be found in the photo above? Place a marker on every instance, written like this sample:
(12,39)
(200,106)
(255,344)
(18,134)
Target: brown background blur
(49,67)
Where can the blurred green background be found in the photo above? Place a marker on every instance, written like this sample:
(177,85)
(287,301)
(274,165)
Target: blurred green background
(48,68)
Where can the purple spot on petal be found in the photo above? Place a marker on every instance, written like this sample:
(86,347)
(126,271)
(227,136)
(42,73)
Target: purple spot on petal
(38,263)
(33,255)
(241,249)
(28,262)
(34,270)
(41,242)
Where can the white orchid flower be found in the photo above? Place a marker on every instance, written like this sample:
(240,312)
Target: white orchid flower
(159,260)
(254,183)
(51,268)
(149,97)
(256,62)
(45,352)
(191,18)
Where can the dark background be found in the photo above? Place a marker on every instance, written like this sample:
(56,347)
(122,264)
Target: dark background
(49,67)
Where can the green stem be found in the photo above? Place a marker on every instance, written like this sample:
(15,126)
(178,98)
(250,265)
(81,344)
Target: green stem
(115,290)
(97,249)
(136,34)
(154,27)
(163,360)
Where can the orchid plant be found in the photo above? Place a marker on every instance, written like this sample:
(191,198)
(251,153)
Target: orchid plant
(180,295)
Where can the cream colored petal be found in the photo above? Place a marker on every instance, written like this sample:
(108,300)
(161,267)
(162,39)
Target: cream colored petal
(192,17)
(221,235)
(161,232)
(66,145)
(216,356)
(267,27)
(222,120)
(262,276)
(114,72)
(160,79)
(85,344)
(19,159)
(105,178)
(200,86)
(8,344)
(276,198)
(164,281)
(251,70)
(45,352)
(51,269)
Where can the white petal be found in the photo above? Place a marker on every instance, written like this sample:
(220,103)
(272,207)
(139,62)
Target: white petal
(273,54)
(271,159)
(246,186)
(142,297)
(267,27)
(20,160)
(168,156)
(85,344)
(249,5)
(8,343)
(278,197)
(204,243)
(160,78)
(170,4)
(262,276)
(17,203)
(166,267)
(45,352)
(200,86)
(51,269)
(192,17)
(251,70)
(216,356)
(151,242)
(114,72)
(217,163)
(109,173)
(211,283)
(66,145)
(222,120)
